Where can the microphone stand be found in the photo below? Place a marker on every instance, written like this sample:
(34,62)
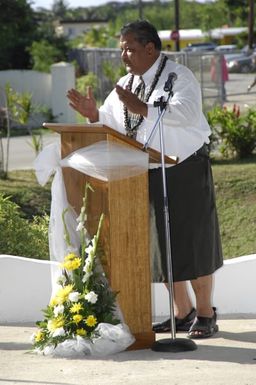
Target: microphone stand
(172,344)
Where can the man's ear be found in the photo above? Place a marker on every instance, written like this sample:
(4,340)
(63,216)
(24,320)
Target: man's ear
(150,48)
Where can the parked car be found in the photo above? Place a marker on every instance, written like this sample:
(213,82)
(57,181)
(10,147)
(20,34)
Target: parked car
(226,48)
(246,49)
(194,47)
(241,63)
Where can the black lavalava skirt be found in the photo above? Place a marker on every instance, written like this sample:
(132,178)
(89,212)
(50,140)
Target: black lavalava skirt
(195,238)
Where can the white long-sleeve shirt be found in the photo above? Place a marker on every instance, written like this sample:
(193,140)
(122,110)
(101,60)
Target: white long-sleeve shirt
(185,127)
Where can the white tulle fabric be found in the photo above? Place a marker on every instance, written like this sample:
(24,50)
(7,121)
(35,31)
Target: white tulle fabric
(106,161)
(111,339)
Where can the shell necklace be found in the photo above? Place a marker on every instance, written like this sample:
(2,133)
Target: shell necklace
(133,121)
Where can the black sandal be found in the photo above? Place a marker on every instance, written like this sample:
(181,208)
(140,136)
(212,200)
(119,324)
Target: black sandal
(204,327)
(183,324)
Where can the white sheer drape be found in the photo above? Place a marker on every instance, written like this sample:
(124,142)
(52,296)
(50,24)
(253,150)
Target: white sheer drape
(103,160)
(106,161)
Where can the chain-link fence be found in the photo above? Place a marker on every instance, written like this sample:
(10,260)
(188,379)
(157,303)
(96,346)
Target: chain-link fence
(202,64)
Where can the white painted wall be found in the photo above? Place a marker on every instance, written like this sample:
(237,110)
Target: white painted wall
(37,83)
(25,289)
(47,90)
(234,289)
(63,79)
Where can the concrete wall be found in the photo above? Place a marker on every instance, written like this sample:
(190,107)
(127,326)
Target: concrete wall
(63,79)
(234,289)
(37,83)
(25,289)
(48,90)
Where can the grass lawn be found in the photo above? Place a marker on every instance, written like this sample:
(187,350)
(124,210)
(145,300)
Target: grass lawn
(24,189)
(235,184)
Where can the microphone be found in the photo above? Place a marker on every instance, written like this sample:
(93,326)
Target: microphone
(169,82)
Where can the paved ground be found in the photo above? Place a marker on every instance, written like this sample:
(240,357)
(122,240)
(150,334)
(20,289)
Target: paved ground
(22,154)
(236,89)
(228,358)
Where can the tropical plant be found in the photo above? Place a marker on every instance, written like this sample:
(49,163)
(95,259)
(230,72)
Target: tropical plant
(233,132)
(20,236)
(43,55)
(87,80)
(112,72)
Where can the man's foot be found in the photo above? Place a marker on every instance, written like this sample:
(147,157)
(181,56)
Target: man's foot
(182,324)
(204,327)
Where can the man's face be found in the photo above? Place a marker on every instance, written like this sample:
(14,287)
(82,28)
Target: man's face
(136,57)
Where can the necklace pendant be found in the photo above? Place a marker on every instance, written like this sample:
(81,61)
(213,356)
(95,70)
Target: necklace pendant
(131,134)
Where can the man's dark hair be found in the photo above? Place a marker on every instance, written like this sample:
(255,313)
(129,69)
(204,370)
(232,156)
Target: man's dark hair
(143,32)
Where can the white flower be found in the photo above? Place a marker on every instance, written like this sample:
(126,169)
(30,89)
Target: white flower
(90,248)
(80,226)
(88,265)
(61,280)
(58,332)
(91,297)
(84,213)
(86,276)
(74,296)
(58,310)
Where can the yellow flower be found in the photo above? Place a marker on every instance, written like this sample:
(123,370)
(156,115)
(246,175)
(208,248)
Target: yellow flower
(62,294)
(39,336)
(70,256)
(55,323)
(53,302)
(71,262)
(76,308)
(77,318)
(91,320)
(81,332)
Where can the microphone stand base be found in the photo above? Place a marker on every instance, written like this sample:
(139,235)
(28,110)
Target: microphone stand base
(175,345)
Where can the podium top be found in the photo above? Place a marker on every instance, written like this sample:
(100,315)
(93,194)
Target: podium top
(62,128)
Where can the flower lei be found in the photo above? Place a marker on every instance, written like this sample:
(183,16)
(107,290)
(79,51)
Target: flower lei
(131,131)
(83,299)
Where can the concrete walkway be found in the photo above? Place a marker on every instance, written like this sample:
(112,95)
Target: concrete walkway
(228,358)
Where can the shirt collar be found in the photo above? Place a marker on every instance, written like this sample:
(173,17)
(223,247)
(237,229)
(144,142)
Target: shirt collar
(150,73)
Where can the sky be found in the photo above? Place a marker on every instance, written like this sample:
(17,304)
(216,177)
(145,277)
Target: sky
(77,3)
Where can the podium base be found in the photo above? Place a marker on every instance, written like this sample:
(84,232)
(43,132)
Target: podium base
(175,345)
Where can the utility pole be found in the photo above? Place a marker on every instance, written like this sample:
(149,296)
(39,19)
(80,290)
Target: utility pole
(177,23)
(140,7)
(250,24)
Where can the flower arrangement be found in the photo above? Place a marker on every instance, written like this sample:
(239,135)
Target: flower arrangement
(83,301)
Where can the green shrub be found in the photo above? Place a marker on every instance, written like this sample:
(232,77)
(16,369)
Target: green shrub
(20,236)
(113,72)
(87,80)
(235,133)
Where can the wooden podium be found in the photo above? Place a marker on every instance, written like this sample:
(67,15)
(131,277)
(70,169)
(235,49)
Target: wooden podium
(125,232)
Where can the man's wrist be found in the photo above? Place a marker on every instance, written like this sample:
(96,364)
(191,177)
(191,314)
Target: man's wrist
(94,117)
